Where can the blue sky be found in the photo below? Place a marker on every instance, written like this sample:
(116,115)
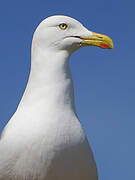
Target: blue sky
(104,80)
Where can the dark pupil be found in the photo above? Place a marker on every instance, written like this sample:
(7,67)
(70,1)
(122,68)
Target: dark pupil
(63,25)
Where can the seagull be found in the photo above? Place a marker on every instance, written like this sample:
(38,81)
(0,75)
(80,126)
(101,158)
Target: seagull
(44,139)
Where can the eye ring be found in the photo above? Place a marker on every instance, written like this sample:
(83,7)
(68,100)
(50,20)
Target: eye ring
(63,26)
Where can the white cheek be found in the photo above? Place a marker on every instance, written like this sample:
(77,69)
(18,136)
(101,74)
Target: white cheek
(72,41)
(71,44)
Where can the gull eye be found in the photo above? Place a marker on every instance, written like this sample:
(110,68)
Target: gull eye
(63,26)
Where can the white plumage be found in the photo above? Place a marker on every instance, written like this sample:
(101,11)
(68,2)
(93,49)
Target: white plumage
(44,139)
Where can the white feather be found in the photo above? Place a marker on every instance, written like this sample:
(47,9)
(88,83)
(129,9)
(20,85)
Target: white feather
(44,139)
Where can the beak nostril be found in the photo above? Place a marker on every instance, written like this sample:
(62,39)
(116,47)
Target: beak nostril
(100,37)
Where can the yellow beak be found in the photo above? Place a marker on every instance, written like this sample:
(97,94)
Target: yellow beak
(99,40)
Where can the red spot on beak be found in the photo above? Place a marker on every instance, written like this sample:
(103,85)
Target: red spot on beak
(104,46)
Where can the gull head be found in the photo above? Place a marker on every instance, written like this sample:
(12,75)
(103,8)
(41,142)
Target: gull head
(65,33)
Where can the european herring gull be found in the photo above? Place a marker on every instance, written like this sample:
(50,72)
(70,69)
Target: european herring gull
(44,139)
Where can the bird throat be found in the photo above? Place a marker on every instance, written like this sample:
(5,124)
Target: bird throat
(50,81)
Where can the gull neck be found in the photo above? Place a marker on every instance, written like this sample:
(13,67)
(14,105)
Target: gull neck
(50,81)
